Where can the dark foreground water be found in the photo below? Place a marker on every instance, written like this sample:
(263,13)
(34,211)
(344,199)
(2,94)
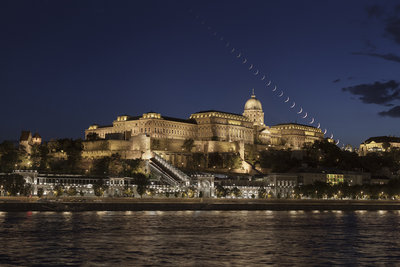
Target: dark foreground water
(200,238)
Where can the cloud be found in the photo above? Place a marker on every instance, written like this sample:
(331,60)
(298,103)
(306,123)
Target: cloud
(374,11)
(376,93)
(390,56)
(392,29)
(393,112)
(390,19)
(337,80)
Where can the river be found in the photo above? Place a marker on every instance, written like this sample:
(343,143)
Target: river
(200,238)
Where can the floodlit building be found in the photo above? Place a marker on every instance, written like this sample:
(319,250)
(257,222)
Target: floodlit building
(26,141)
(330,177)
(379,144)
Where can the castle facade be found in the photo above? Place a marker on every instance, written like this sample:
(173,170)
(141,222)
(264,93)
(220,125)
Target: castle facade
(203,132)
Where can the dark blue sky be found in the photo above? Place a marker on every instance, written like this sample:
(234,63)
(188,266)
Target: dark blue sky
(67,64)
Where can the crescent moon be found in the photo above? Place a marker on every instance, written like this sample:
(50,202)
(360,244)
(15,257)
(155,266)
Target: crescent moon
(294,104)
(319,125)
(245,60)
(312,121)
(287,100)
(233,50)
(251,66)
(256,73)
(239,55)
(331,136)
(269,83)
(301,110)
(325,131)
(281,94)
(227,44)
(305,116)
(337,142)
(263,77)
(273,90)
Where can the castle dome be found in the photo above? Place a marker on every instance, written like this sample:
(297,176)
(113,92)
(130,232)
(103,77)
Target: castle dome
(253,103)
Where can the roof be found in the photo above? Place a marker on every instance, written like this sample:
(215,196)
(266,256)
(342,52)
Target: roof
(179,120)
(212,110)
(382,139)
(25,136)
(104,126)
(132,118)
(253,104)
(293,123)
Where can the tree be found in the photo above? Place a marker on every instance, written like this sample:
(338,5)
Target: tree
(72,191)
(220,191)
(115,166)
(199,160)
(188,144)
(191,192)
(233,161)
(73,148)
(386,146)
(262,193)
(215,160)
(35,156)
(99,187)
(27,190)
(236,192)
(58,190)
(131,166)
(40,192)
(141,182)
(9,156)
(44,156)
(13,184)
(128,191)
(278,160)
(101,166)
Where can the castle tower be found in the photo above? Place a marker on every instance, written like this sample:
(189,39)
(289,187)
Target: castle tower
(253,110)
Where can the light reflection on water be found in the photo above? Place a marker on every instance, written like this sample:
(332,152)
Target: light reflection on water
(205,238)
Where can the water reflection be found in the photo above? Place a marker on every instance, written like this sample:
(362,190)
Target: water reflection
(201,238)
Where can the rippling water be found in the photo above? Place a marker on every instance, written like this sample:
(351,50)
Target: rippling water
(199,238)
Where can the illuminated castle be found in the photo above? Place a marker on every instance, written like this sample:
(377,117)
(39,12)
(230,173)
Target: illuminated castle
(206,131)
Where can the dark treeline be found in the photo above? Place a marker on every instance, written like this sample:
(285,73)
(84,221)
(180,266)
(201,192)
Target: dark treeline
(325,155)
(343,190)
(14,184)
(64,156)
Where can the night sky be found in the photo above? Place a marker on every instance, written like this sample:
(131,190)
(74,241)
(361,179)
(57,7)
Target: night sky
(67,64)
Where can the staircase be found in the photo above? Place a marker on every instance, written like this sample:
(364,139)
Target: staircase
(168,172)
(253,167)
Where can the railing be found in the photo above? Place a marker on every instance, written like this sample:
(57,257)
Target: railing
(163,174)
(172,169)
